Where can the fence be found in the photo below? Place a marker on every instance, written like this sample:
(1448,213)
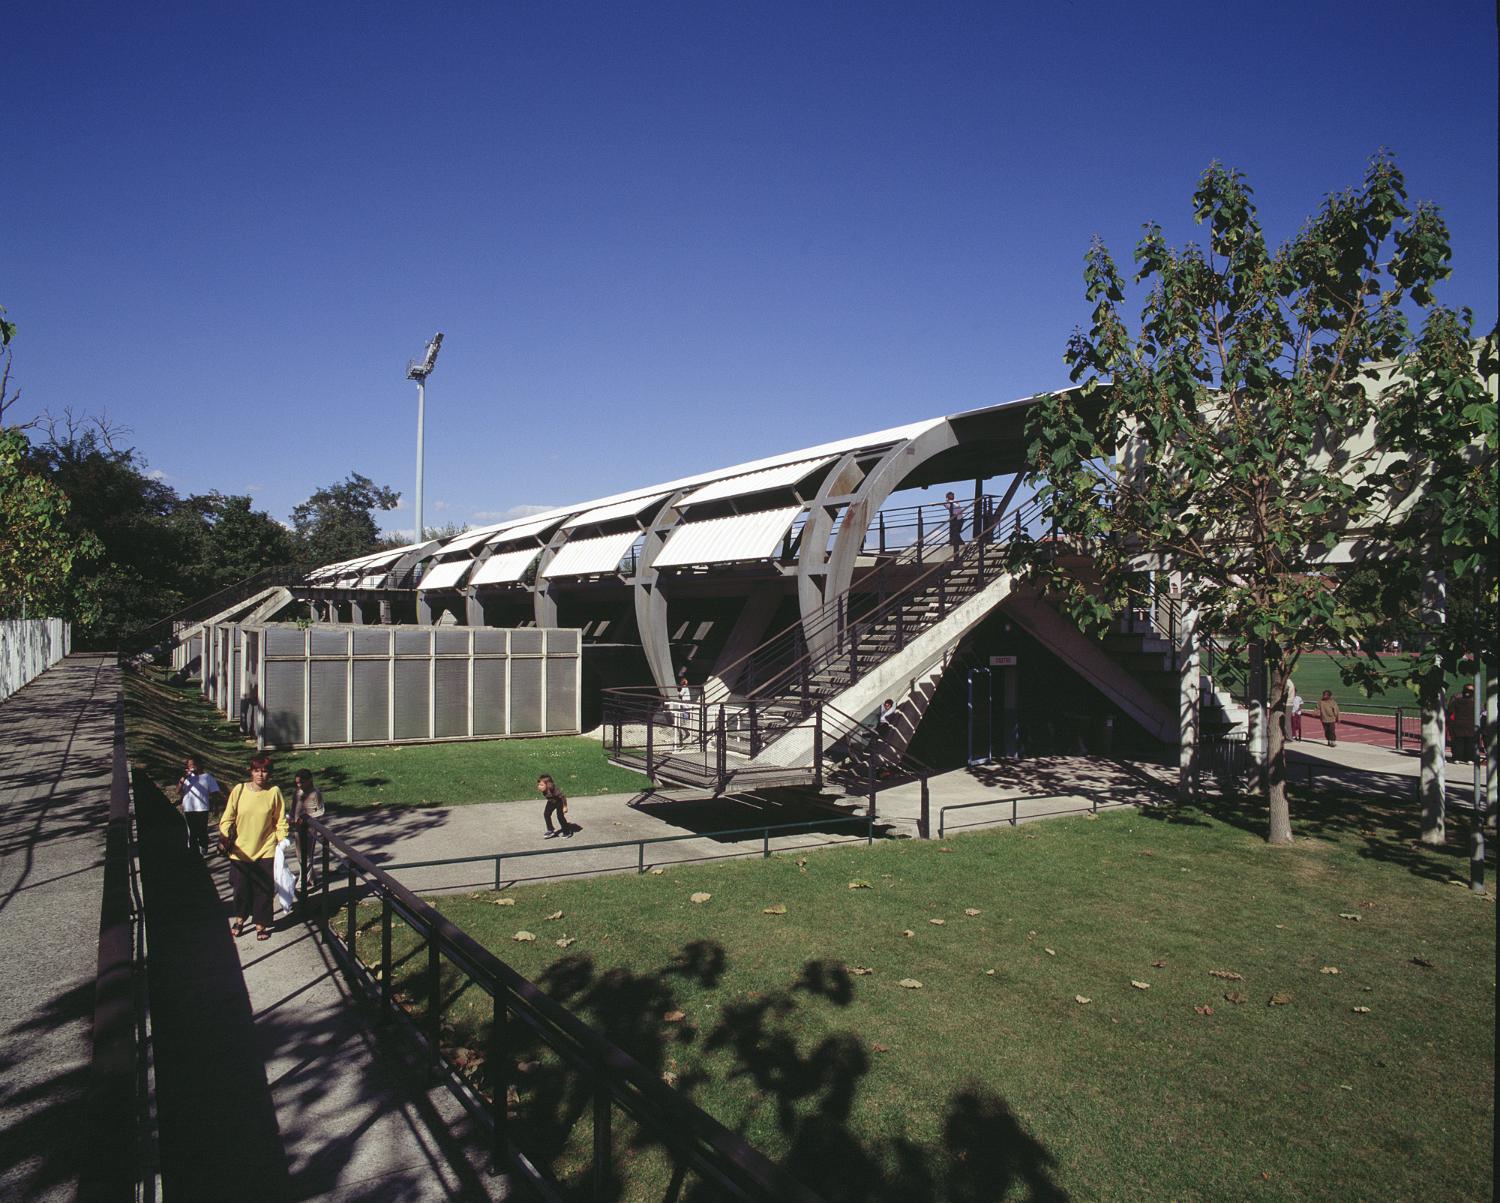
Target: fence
(28,647)
(599,1077)
(1095,806)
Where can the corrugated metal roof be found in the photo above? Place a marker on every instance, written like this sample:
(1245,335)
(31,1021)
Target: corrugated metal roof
(779,477)
(505,568)
(585,557)
(470,538)
(724,540)
(609,513)
(445,575)
(522,530)
(376,581)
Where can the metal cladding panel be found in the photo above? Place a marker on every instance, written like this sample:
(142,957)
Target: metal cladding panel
(374,642)
(526,697)
(285,641)
(754,536)
(451,702)
(612,513)
(451,643)
(470,539)
(371,700)
(376,580)
(413,643)
(587,557)
(781,477)
(562,641)
(506,567)
(328,697)
(526,641)
(328,643)
(446,575)
(195,652)
(411,699)
(489,697)
(488,642)
(562,694)
(283,702)
(349,582)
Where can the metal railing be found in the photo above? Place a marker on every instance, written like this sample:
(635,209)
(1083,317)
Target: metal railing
(1095,806)
(764,833)
(613,1080)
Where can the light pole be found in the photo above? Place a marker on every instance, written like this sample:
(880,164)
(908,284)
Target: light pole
(419,372)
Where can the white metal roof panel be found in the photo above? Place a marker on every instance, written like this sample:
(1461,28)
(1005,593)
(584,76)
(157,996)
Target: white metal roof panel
(470,538)
(375,580)
(445,575)
(505,568)
(522,530)
(724,540)
(585,557)
(610,513)
(779,477)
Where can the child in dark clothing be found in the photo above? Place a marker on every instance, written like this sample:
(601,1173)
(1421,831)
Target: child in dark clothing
(557,803)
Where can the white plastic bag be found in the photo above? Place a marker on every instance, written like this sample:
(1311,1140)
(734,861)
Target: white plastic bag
(285,877)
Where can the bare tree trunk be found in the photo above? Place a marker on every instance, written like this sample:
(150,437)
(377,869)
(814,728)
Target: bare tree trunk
(1281,811)
(1432,787)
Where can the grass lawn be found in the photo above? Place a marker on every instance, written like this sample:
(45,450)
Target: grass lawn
(1137,1007)
(1317,671)
(167,721)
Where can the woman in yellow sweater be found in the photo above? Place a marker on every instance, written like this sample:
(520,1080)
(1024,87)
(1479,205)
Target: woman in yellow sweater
(254,823)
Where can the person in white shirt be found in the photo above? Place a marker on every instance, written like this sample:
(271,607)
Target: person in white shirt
(195,791)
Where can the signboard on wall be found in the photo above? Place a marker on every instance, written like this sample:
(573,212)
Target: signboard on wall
(1002,662)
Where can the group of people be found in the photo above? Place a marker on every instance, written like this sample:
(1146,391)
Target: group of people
(1328,714)
(1461,726)
(254,825)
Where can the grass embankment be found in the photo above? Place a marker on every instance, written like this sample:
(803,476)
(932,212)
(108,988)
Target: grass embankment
(167,721)
(1138,1007)
(1317,671)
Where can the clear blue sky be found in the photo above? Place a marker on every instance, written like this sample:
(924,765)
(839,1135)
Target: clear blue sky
(659,238)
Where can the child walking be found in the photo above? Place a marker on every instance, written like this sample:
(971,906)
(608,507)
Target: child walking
(557,804)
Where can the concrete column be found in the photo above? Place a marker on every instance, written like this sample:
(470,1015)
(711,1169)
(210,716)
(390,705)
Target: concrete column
(357,612)
(750,628)
(426,611)
(385,612)
(473,610)
(1189,702)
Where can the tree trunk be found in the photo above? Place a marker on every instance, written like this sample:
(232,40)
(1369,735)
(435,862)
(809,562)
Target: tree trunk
(1433,786)
(1281,812)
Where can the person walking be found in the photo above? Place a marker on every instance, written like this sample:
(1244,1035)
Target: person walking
(955,522)
(1461,724)
(557,804)
(254,823)
(195,790)
(1328,715)
(1296,710)
(307,803)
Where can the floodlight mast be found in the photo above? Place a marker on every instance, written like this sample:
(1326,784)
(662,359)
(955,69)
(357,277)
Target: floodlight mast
(419,372)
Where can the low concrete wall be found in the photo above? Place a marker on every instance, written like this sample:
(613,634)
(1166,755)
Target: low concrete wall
(28,647)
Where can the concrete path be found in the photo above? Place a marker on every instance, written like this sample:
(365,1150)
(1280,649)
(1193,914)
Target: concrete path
(56,738)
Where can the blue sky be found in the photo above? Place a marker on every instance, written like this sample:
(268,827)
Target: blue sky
(659,238)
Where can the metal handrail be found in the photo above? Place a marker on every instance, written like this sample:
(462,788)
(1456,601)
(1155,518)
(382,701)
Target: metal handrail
(697,1140)
(1094,807)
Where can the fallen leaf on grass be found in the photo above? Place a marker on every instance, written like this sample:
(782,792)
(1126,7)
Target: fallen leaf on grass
(801,862)
(1278,1000)
(565,941)
(1422,961)
(989,973)
(1350,915)
(971,911)
(1140,985)
(1050,952)
(505,902)
(523,937)
(555,915)
(909,983)
(669,1077)
(937,922)
(945,849)
(657,872)
(861,970)
(1367,904)
(1158,964)
(1329,969)
(700,896)
(859,885)
(1205,1009)
(775,909)
(1091,816)
(1236,996)
(1081,1000)
(673,1017)
(1031,935)
(1360,1010)
(880,1048)
(1227,975)
(908,933)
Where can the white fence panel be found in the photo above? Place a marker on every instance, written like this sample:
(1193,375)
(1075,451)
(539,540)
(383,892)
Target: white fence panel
(28,647)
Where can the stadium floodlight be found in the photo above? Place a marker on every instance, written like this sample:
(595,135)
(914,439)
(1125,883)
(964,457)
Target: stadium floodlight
(419,372)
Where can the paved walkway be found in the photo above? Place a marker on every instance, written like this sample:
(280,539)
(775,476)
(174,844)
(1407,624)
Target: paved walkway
(56,738)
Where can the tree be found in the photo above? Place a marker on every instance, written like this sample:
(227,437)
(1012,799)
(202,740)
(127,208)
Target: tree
(38,553)
(1248,413)
(231,540)
(337,523)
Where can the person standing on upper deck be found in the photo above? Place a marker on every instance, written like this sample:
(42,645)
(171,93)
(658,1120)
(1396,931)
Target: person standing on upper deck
(955,522)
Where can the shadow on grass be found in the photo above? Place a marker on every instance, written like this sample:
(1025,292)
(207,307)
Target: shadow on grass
(712,817)
(807,1087)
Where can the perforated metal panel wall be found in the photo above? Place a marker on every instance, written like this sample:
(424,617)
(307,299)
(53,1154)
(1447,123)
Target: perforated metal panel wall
(562,694)
(371,700)
(413,643)
(329,701)
(489,697)
(489,643)
(451,643)
(283,702)
(525,697)
(411,699)
(451,700)
(195,652)
(563,642)
(372,642)
(283,642)
(329,643)
(526,641)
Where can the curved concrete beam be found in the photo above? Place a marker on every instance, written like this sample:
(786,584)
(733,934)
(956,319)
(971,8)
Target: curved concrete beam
(650,606)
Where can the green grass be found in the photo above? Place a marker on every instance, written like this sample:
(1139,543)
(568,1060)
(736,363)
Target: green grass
(989,1085)
(1317,671)
(167,721)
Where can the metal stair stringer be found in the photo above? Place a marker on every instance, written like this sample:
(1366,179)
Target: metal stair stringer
(895,677)
(1095,665)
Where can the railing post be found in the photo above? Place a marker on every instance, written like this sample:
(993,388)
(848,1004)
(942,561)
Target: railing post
(434,1000)
(640,857)
(497,872)
(327,901)
(880,518)
(754,731)
(385,956)
(703,721)
(650,739)
(603,1143)
(353,888)
(1013,813)
(721,758)
(924,825)
(304,864)
(853,653)
(980,578)
(870,778)
(498,1067)
(942,596)
(765,844)
(920,536)
(1398,728)
(900,626)
(818,747)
